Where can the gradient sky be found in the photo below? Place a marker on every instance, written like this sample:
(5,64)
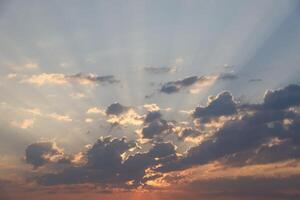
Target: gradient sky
(149,100)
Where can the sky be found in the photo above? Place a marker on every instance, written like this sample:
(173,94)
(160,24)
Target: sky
(154,100)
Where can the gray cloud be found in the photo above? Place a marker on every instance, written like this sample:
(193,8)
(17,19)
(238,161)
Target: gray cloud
(266,133)
(151,116)
(221,105)
(116,109)
(282,98)
(93,78)
(41,153)
(155,128)
(104,165)
(227,76)
(160,70)
(176,86)
(250,134)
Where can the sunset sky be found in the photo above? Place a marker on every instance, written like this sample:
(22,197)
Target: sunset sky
(150,99)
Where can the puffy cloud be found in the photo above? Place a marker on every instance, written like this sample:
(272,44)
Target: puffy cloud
(151,116)
(221,105)
(282,98)
(154,125)
(116,109)
(188,132)
(256,135)
(119,114)
(61,79)
(40,153)
(246,134)
(104,163)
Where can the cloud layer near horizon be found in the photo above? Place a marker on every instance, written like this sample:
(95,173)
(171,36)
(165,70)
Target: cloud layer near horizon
(246,135)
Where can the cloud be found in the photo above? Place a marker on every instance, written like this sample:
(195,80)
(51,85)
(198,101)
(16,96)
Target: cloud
(198,83)
(221,105)
(31,65)
(116,109)
(151,107)
(264,134)
(96,110)
(40,153)
(58,117)
(88,120)
(24,124)
(282,98)
(161,70)
(44,78)
(119,114)
(227,76)
(248,135)
(104,164)
(62,79)
(86,79)
(188,132)
(175,86)
(151,116)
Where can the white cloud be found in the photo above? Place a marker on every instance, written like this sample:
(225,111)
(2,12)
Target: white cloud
(24,124)
(58,117)
(88,120)
(96,110)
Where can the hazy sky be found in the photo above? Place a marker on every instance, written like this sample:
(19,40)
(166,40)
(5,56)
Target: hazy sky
(149,99)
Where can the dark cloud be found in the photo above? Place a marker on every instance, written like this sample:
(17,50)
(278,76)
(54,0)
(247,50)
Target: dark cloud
(93,78)
(283,98)
(221,105)
(155,128)
(116,109)
(175,86)
(261,134)
(135,166)
(227,76)
(40,153)
(188,132)
(105,154)
(151,116)
(105,165)
(249,134)
(160,70)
